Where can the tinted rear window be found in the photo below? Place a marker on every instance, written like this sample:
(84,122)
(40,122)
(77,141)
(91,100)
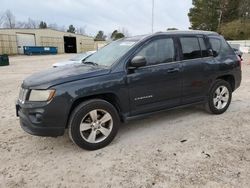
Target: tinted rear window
(190,48)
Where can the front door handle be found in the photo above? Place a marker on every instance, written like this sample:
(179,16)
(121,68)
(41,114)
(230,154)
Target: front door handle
(173,70)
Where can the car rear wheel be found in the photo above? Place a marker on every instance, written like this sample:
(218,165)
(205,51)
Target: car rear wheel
(219,97)
(93,124)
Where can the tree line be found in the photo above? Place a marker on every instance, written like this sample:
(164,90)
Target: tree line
(8,20)
(231,18)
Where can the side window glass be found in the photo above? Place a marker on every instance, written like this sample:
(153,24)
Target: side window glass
(190,48)
(158,51)
(225,48)
(203,47)
(216,46)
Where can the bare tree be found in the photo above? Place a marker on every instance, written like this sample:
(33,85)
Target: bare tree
(21,24)
(125,31)
(53,26)
(62,28)
(9,19)
(32,23)
(57,27)
(81,30)
(1,19)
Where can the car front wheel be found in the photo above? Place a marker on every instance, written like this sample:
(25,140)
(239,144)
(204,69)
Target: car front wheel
(93,124)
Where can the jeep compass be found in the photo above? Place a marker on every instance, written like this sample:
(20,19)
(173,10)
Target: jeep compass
(131,77)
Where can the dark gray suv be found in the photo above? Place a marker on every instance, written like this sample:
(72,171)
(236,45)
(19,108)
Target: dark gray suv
(129,78)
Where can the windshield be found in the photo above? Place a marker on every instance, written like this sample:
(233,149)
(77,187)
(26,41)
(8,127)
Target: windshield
(79,57)
(107,55)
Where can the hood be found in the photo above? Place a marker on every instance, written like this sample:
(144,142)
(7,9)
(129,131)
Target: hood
(63,63)
(55,76)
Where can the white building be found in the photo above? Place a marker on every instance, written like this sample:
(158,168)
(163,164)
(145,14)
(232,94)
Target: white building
(13,40)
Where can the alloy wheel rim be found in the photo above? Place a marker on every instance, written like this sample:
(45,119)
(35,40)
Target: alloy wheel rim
(221,97)
(96,126)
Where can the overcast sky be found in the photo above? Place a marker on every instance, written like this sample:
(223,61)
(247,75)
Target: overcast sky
(106,15)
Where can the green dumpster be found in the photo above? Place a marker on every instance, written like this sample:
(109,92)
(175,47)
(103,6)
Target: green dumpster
(4,60)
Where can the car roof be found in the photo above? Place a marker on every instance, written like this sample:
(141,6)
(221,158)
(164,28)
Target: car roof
(171,32)
(191,32)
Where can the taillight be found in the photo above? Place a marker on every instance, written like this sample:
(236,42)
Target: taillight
(239,61)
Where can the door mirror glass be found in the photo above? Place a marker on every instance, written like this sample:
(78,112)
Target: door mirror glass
(138,61)
(210,53)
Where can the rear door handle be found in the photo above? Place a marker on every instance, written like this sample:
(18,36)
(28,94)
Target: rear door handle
(173,70)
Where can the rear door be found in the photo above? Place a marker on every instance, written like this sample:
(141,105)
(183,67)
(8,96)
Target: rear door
(197,66)
(157,85)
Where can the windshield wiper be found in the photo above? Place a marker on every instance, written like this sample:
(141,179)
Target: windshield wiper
(90,63)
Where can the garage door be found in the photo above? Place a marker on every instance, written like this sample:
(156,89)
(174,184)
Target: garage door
(25,40)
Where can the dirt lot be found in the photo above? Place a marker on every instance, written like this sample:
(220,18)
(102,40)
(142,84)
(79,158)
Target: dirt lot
(145,153)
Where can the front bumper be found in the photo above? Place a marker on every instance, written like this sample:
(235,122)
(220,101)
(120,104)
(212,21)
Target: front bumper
(32,126)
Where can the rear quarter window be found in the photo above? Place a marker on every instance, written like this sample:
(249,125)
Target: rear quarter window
(220,47)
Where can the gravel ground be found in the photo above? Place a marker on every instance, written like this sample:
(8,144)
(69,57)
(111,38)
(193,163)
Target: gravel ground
(179,148)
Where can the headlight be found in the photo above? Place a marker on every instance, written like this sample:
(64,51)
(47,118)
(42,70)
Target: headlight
(41,95)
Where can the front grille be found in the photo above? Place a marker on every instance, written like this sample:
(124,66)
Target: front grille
(22,95)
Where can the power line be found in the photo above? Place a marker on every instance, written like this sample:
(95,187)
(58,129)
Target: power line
(152,27)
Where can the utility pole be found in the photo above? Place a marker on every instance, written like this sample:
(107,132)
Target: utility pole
(153,16)
(220,11)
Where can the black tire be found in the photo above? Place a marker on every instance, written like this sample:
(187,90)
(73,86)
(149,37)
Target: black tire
(84,109)
(210,106)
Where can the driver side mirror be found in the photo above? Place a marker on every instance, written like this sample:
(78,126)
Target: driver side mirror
(138,61)
(210,53)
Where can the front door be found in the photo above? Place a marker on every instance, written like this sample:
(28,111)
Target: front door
(157,85)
